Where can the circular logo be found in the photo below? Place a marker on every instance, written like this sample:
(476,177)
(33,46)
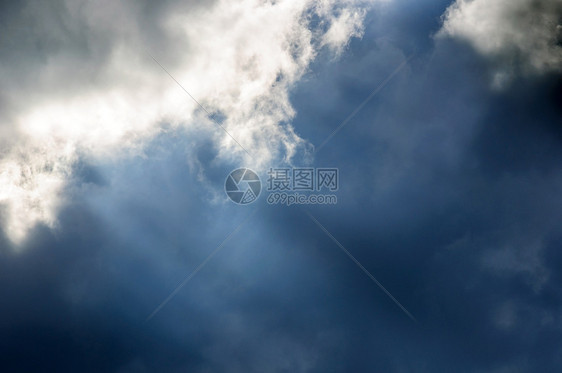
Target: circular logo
(242,186)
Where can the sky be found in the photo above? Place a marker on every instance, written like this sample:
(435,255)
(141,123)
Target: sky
(121,252)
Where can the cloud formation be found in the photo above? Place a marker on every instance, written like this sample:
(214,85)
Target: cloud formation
(79,83)
(520,36)
(449,195)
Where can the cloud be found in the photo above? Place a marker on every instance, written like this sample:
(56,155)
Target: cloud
(520,36)
(348,23)
(79,83)
(449,195)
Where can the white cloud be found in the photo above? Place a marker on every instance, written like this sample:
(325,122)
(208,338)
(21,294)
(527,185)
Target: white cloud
(80,82)
(342,24)
(521,36)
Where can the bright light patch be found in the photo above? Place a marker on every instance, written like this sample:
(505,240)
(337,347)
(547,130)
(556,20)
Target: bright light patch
(239,58)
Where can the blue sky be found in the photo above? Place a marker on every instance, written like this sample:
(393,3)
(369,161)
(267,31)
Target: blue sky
(112,186)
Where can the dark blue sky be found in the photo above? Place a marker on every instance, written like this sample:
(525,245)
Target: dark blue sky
(450,195)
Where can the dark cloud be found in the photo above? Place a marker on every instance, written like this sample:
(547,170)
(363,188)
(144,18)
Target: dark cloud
(450,196)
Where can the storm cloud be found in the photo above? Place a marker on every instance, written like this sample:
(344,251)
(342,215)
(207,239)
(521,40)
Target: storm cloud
(449,188)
